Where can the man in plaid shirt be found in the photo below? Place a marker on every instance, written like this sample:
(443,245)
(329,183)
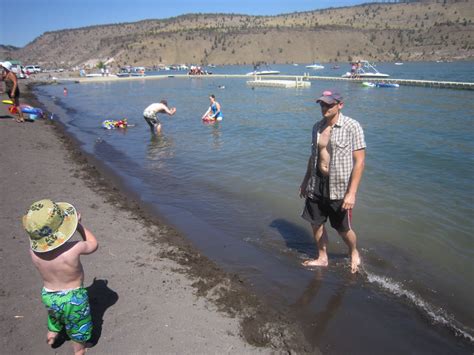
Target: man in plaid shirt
(332,177)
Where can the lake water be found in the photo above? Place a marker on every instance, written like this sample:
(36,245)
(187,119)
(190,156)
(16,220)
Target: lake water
(232,189)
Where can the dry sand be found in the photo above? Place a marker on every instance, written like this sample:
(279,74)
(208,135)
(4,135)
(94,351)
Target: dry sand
(150,291)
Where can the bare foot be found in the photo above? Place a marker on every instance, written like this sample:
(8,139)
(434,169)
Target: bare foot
(51,337)
(355,261)
(316,262)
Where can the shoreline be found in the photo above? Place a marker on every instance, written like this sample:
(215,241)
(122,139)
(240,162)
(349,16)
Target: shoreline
(247,324)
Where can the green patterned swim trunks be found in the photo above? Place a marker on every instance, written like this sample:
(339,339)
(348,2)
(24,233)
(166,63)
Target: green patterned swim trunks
(69,309)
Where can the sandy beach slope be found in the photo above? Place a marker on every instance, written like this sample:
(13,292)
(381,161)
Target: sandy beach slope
(151,292)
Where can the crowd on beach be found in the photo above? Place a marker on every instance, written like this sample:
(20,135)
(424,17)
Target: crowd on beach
(329,187)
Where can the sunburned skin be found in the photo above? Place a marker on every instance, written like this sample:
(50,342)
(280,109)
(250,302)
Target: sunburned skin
(324,157)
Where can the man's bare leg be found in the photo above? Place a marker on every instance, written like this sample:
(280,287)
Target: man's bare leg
(51,337)
(321,238)
(157,128)
(350,239)
(79,348)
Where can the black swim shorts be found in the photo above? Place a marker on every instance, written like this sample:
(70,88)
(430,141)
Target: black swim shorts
(152,121)
(317,211)
(16,94)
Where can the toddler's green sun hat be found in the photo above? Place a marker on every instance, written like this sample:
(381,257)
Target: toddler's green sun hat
(49,224)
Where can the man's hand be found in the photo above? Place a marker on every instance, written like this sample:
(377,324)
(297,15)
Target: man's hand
(349,201)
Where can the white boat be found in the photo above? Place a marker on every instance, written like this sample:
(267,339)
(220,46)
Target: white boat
(398,63)
(137,71)
(366,70)
(94,75)
(257,70)
(264,72)
(387,85)
(315,66)
(124,72)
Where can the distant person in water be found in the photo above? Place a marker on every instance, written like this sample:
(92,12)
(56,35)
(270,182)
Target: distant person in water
(213,113)
(332,177)
(50,226)
(151,115)
(11,88)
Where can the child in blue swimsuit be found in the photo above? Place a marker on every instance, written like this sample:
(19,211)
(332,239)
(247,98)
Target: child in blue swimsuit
(213,113)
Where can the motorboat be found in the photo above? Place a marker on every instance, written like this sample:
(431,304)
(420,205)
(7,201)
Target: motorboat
(379,85)
(264,72)
(258,71)
(94,75)
(131,71)
(365,70)
(137,71)
(387,85)
(123,72)
(398,63)
(315,66)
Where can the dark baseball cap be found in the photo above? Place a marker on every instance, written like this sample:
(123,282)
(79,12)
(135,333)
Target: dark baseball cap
(329,97)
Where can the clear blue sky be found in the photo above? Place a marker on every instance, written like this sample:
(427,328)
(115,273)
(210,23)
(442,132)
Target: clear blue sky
(22,21)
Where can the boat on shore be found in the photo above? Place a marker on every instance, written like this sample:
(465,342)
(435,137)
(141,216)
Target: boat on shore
(365,70)
(94,75)
(131,71)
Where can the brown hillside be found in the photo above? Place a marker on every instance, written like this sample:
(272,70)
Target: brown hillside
(425,30)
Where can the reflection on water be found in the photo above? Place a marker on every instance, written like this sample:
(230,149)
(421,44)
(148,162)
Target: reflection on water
(160,147)
(216,136)
(328,305)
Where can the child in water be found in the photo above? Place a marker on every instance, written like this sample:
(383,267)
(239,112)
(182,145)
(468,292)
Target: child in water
(213,113)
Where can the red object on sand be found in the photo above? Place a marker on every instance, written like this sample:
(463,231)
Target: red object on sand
(13,109)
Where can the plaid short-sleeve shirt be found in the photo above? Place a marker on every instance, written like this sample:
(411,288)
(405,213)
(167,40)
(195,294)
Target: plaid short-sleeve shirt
(346,137)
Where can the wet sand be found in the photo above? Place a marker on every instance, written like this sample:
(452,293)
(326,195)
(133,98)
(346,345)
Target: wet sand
(150,290)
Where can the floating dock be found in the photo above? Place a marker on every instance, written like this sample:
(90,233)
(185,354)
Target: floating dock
(290,81)
(298,82)
(405,82)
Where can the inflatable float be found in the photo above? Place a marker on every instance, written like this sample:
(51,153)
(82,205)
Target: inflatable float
(29,116)
(387,85)
(208,119)
(111,124)
(8,102)
(31,110)
(379,85)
